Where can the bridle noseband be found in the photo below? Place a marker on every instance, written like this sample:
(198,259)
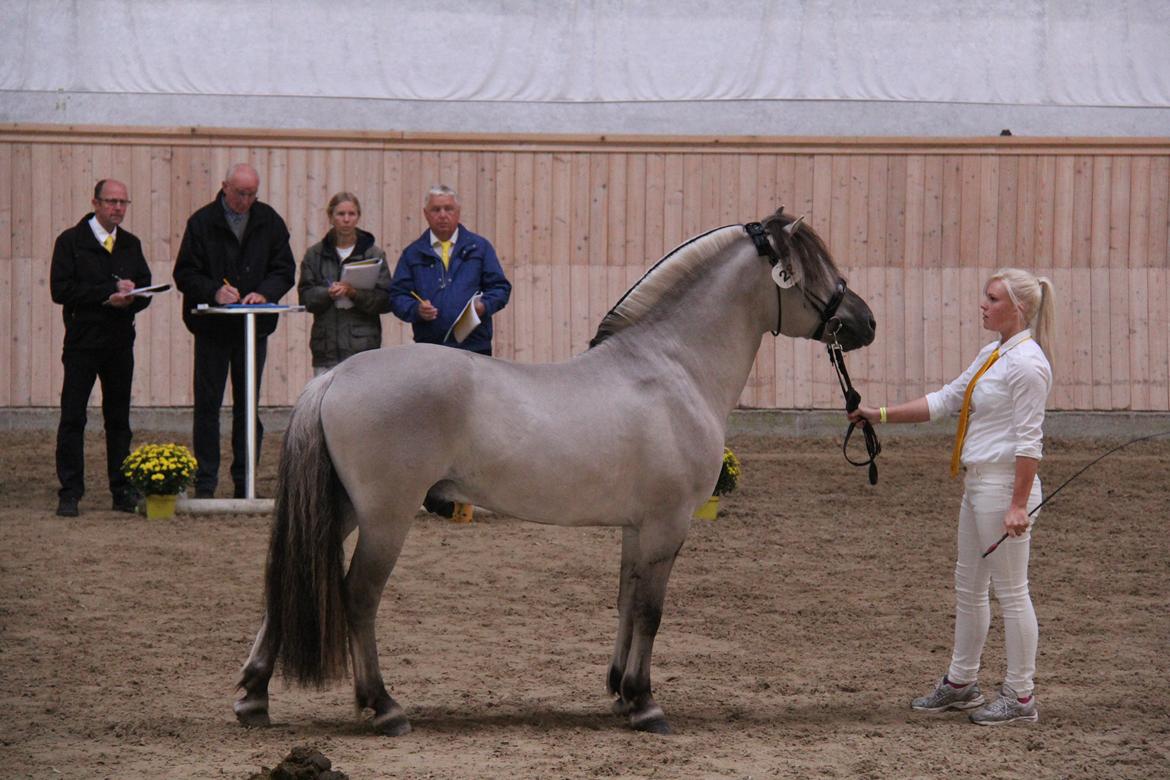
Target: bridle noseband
(830,322)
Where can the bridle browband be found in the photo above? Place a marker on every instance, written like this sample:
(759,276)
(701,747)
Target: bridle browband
(828,313)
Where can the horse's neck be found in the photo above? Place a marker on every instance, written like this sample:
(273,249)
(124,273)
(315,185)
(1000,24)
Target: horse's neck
(712,334)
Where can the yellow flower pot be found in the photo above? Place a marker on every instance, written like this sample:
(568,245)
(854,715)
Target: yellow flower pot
(160,507)
(709,510)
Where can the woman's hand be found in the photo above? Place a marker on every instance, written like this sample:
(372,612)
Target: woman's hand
(1015,521)
(341,290)
(870,413)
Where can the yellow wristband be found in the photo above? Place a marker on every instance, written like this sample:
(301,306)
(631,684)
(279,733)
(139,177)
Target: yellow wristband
(882,416)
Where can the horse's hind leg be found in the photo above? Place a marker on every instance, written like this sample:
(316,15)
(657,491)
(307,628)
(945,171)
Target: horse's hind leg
(252,708)
(378,545)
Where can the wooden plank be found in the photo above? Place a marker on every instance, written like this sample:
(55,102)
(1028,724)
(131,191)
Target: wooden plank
(1026,197)
(162,314)
(932,266)
(582,326)
(674,168)
(541,252)
(913,313)
(1158,256)
(954,356)
(1045,211)
(692,208)
(762,383)
(525,234)
(40,360)
(560,250)
(877,290)
(1158,280)
(1119,292)
(783,194)
(615,251)
(729,208)
(636,225)
(709,202)
(651,173)
(1006,211)
(501,236)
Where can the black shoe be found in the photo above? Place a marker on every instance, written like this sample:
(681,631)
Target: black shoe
(204,492)
(67,507)
(438,506)
(127,502)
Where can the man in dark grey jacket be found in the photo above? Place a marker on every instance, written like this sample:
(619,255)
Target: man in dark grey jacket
(235,250)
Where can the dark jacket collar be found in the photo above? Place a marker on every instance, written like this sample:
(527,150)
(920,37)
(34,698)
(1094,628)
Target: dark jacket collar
(364,241)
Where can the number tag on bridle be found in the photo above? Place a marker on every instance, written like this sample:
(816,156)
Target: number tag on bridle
(783,277)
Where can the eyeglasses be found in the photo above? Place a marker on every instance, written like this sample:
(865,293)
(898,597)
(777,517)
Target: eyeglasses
(114,202)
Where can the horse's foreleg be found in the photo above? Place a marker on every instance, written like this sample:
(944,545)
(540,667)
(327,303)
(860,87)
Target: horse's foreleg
(252,708)
(373,560)
(649,579)
(621,649)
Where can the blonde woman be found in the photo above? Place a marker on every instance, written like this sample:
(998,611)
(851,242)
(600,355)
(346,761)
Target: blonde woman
(345,320)
(1000,400)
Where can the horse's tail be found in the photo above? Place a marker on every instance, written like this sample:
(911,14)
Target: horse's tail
(304,580)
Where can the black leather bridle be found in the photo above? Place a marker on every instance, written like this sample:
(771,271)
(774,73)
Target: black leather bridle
(826,310)
(830,322)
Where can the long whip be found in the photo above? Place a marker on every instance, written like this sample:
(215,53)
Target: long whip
(1093,462)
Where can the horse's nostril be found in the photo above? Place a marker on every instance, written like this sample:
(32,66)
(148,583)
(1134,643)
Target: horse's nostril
(872,324)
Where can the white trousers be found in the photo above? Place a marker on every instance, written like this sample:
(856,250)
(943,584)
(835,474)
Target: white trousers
(986,497)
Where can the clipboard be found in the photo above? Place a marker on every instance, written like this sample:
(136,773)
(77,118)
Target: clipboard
(150,290)
(467,321)
(361,275)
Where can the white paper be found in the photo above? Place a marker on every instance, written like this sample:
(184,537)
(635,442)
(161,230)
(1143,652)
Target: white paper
(467,321)
(361,275)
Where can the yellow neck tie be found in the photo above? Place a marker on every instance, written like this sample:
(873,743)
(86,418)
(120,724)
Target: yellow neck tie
(960,434)
(445,252)
(109,243)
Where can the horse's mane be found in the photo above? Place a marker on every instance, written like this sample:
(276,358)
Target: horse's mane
(804,248)
(682,263)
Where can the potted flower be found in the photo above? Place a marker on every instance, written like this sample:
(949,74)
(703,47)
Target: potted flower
(160,472)
(728,479)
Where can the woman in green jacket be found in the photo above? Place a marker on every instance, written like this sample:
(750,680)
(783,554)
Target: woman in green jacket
(346,314)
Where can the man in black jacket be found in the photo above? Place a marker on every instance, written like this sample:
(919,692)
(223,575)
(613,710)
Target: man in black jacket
(235,250)
(95,265)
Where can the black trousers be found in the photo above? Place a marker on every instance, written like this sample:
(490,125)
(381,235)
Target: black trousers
(115,368)
(214,361)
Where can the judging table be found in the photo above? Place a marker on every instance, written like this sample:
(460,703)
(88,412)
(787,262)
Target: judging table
(248,311)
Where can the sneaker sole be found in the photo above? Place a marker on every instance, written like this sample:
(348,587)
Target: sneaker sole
(1033,718)
(961,706)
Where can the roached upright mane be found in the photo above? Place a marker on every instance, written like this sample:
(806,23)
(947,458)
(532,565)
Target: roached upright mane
(683,262)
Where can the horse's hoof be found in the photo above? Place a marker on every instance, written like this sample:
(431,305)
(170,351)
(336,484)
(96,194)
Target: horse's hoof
(392,723)
(253,714)
(651,720)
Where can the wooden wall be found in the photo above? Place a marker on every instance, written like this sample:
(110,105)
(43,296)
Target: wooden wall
(916,224)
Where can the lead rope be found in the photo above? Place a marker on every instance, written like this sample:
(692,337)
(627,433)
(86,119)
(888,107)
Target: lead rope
(852,400)
(1093,462)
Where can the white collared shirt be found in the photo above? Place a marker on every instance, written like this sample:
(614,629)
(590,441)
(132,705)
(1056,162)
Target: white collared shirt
(437,245)
(1007,405)
(100,232)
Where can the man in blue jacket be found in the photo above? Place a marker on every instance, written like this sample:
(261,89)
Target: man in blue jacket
(441,271)
(436,277)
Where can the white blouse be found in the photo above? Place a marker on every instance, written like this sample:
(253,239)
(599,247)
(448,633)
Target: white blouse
(1007,405)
